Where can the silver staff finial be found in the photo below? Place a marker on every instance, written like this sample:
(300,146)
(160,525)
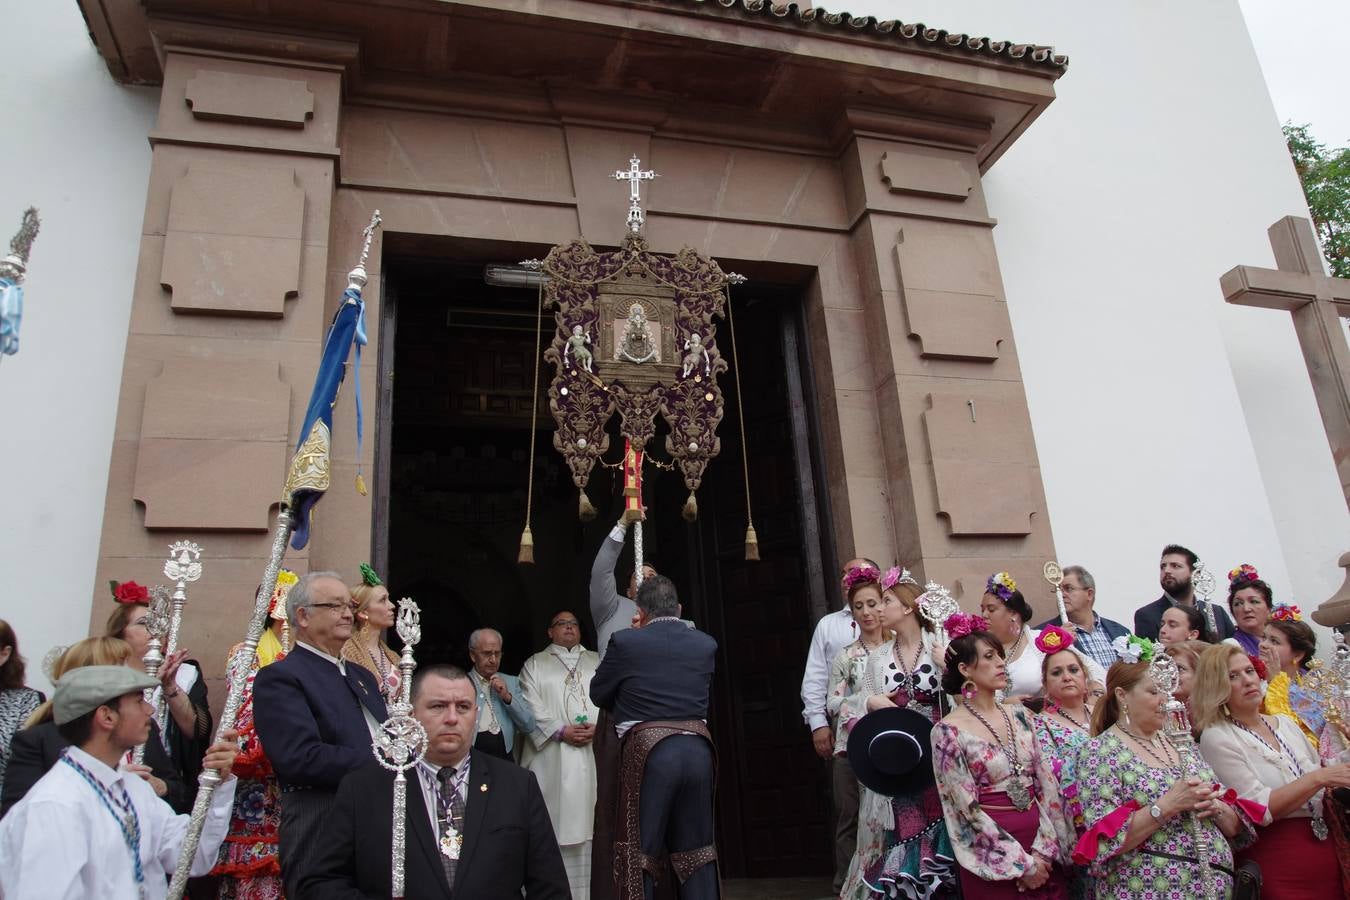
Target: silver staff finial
(635,176)
(15,264)
(357,277)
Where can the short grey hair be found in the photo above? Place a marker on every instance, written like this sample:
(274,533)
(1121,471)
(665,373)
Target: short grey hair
(299,597)
(657,597)
(1082,575)
(479,632)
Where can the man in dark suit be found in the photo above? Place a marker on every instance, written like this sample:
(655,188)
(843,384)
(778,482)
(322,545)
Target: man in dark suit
(654,681)
(1174,574)
(473,821)
(315,715)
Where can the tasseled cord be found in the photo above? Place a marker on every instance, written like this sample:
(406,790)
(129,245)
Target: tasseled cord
(526,555)
(751,539)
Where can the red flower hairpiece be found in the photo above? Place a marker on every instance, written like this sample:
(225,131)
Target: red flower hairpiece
(860,575)
(129,593)
(958,625)
(1259,665)
(1286,612)
(1244,572)
(1053,639)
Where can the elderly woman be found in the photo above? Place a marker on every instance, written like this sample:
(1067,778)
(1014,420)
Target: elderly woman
(999,796)
(1144,806)
(375,612)
(17,700)
(185,722)
(1250,602)
(1065,724)
(1007,612)
(903,850)
(38,746)
(1268,761)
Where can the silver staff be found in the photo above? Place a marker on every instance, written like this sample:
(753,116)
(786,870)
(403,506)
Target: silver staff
(1202,582)
(183,566)
(1055,575)
(401,742)
(156,623)
(209,779)
(1177,724)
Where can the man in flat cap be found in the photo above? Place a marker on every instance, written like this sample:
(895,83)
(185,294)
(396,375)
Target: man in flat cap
(88,829)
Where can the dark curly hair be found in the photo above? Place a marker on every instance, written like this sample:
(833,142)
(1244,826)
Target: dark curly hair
(965,651)
(1239,584)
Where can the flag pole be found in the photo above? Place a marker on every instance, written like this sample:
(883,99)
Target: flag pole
(308,477)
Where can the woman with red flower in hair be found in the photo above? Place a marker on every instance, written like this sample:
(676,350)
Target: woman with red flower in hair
(1287,650)
(185,726)
(1250,601)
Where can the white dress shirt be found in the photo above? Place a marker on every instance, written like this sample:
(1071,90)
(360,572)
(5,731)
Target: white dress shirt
(431,787)
(1251,767)
(834,632)
(371,724)
(61,842)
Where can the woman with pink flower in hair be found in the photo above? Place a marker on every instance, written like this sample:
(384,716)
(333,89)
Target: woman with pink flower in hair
(1000,797)
(862,585)
(1250,601)
(903,850)
(1008,615)
(1065,724)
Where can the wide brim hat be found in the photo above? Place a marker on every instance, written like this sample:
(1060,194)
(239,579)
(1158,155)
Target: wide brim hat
(891,751)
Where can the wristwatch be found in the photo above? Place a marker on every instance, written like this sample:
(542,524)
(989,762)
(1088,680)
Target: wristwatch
(1156,812)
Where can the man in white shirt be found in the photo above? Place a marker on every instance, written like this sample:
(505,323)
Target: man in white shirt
(88,829)
(556,683)
(834,632)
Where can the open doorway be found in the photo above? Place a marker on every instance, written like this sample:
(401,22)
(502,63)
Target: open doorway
(453,464)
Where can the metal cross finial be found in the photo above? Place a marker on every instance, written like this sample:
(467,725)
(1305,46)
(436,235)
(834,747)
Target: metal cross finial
(635,176)
(357,277)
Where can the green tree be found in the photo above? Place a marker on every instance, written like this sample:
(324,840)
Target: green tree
(1326,183)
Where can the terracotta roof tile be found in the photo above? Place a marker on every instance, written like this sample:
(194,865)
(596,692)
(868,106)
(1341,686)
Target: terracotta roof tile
(908,32)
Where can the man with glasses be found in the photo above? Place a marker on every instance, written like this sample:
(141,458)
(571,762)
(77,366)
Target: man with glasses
(501,709)
(315,715)
(556,684)
(1092,634)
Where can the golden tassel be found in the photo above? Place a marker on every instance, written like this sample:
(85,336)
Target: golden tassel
(526,555)
(360,484)
(751,544)
(585,511)
(690,510)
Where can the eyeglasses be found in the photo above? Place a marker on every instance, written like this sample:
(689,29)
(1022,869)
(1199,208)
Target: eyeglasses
(563,623)
(337,606)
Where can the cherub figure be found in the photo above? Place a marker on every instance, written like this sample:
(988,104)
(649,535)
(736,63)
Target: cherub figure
(694,344)
(577,349)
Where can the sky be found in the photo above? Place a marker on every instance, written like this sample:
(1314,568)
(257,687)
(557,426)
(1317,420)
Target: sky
(1299,43)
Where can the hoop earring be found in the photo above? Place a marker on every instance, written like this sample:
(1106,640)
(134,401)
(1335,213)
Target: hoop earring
(968,690)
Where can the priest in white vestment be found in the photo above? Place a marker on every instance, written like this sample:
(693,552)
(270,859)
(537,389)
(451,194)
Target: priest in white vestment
(556,684)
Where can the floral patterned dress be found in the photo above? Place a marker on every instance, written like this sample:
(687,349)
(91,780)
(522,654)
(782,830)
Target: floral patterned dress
(903,850)
(846,673)
(968,767)
(1113,782)
(248,863)
(1059,742)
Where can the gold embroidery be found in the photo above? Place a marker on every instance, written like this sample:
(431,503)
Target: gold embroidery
(310,467)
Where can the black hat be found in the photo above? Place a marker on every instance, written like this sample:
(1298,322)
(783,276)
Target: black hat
(891,751)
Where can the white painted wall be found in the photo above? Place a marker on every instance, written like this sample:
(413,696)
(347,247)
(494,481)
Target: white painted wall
(75,146)
(1160,412)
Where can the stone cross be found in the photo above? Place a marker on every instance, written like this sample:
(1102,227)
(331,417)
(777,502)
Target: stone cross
(635,176)
(1317,302)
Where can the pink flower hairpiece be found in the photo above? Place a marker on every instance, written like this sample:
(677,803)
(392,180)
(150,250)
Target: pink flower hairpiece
(860,575)
(958,625)
(1053,639)
(1001,585)
(1286,612)
(1244,572)
(896,575)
